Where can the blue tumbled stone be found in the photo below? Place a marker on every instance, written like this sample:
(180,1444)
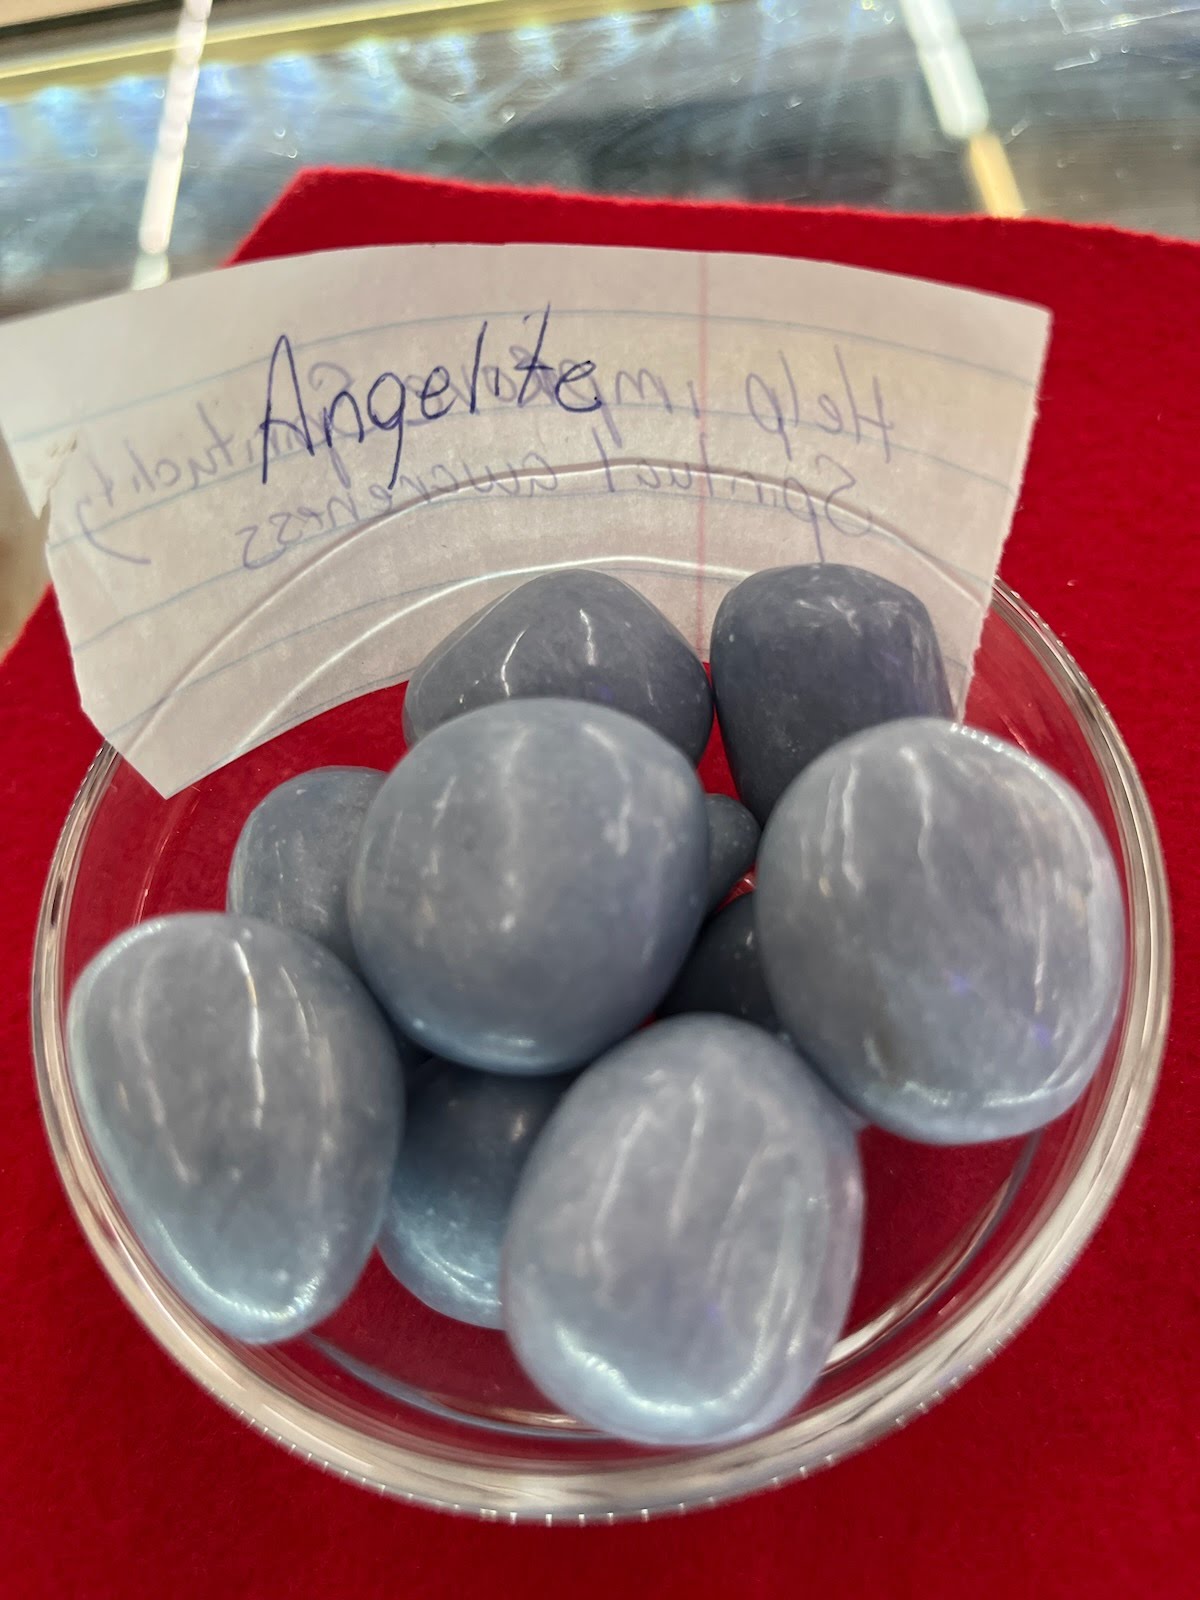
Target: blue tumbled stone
(528,882)
(942,931)
(243,1097)
(805,656)
(292,858)
(732,842)
(685,1238)
(723,973)
(468,1138)
(576,635)
(291,864)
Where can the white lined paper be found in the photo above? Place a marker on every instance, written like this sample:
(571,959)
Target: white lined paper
(688,418)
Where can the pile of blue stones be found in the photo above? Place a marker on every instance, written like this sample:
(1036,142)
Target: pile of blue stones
(495,1013)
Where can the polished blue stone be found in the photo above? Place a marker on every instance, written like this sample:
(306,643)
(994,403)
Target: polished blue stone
(293,855)
(804,656)
(468,1138)
(243,1097)
(685,1238)
(528,883)
(291,865)
(723,973)
(574,635)
(942,931)
(732,843)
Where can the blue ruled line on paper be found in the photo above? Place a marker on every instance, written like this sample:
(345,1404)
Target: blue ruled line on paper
(618,564)
(455,497)
(443,585)
(391,681)
(604,312)
(286,724)
(713,412)
(449,498)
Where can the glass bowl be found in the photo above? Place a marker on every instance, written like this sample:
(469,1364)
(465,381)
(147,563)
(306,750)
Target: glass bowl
(961,1247)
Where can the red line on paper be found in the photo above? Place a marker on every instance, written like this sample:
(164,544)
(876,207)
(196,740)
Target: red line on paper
(702,502)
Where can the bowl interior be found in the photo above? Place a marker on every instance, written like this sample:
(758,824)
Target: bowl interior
(960,1243)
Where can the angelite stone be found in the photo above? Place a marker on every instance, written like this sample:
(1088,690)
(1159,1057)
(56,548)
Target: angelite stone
(732,842)
(805,656)
(942,931)
(528,882)
(724,975)
(685,1238)
(577,635)
(468,1138)
(243,1097)
(293,855)
(724,972)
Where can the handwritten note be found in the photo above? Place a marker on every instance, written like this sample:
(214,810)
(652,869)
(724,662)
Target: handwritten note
(277,486)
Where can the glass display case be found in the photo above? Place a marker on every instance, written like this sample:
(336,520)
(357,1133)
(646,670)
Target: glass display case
(142,139)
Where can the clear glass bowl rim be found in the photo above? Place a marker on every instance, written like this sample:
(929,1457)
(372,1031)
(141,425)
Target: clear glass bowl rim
(312,1423)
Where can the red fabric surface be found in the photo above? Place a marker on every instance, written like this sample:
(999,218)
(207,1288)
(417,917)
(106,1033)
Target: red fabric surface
(1069,1466)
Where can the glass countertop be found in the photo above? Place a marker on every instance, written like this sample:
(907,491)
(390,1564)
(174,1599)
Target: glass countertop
(142,140)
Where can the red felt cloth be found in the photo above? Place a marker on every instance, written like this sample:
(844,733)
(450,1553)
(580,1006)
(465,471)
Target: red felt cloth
(1069,1466)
